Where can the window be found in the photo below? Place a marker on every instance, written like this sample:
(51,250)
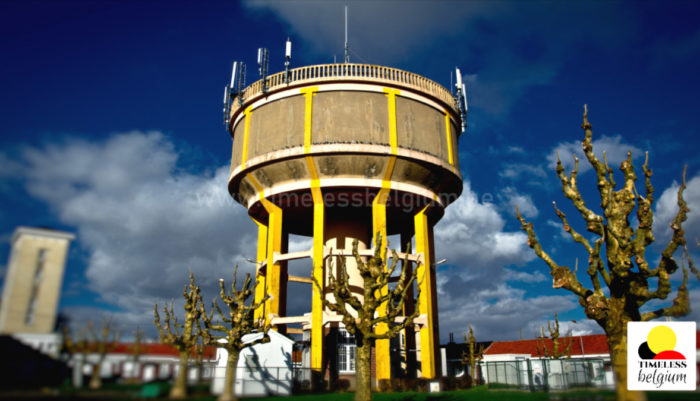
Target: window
(346,351)
(31,308)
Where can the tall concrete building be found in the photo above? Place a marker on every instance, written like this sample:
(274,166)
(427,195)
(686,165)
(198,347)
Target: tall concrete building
(32,284)
(341,152)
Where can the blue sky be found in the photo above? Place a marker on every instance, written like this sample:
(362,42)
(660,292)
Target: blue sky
(112,129)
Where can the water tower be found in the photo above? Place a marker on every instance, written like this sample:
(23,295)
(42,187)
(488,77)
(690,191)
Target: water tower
(340,152)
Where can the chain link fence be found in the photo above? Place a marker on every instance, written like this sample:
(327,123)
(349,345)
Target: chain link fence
(545,374)
(256,381)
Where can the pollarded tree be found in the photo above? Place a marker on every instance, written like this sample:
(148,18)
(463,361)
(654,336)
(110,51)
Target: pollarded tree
(73,345)
(475,353)
(181,336)
(234,325)
(361,317)
(136,350)
(559,349)
(101,344)
(199,349)
(617,257)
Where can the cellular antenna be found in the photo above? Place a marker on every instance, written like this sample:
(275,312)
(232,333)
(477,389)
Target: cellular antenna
(347,55)
(287,57)
(263,63)
(227,105)
(461,99)
(234,89)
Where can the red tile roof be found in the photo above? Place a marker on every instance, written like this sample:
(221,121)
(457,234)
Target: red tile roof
(592,345)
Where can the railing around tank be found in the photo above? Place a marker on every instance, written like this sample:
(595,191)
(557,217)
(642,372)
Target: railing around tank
(355,72)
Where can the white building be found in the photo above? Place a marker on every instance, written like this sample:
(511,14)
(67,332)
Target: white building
(263,369)
(32,287)
(155,362)
(522,364)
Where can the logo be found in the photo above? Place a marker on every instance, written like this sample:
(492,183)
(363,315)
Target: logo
(661,356)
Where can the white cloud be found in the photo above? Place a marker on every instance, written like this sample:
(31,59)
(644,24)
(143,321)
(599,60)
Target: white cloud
(667,208)
(496,313)
(570,327)
(510,198)
(525,277)
(477,286)
(613,146)
(471,233)
(143,222)
(515,170)
(297,243)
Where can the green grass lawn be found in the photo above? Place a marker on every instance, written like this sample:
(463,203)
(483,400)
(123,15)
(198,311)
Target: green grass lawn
(479,393)
(482,393)
(132,392)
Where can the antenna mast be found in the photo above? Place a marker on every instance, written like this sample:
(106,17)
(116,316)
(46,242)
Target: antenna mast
(263,63)
(287,57)
(234,89)
(461,98)
(347,56)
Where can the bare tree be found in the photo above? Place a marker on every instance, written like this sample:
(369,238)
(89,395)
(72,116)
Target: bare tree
(617,249)
(200,349)
(76,347)
(475,353)
(181,336)
(559,349)
(136,351)
(106,341)
(361,317)
(235,324)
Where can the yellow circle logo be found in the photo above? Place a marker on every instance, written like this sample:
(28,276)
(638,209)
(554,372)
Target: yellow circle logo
(661,338)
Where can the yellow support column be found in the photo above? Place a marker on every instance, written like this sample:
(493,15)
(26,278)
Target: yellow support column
(273,277)
(318,228)
(260,270)
(308,107)
(427,302)
(275,273)
(319,276)
(448,134)
(382,348)
(246,133)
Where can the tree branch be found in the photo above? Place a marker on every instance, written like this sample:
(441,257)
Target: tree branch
(594,222)
(680,306)
(562,275)
(604,186)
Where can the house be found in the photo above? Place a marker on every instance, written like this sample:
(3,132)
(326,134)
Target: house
(588,346)
(508,362)
(263,369)
(522,363)
(154,362)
